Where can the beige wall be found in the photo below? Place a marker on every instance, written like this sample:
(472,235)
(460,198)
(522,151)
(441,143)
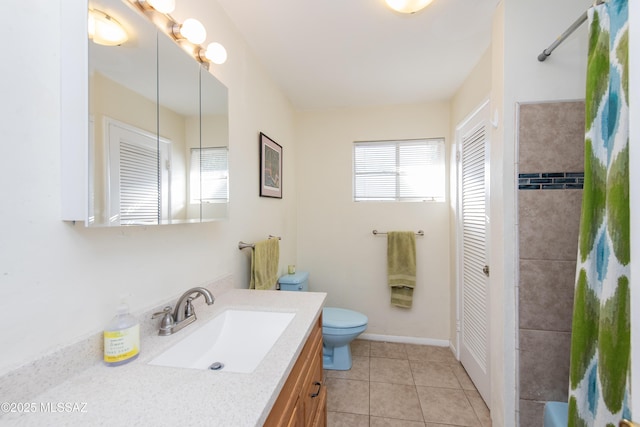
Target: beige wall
(60,282)
(335,240)
(473,91)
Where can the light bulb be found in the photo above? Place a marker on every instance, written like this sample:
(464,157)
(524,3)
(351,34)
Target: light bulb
(91,25)
(408,6)
(163,6)
(216,53)
(105,30)
(192,30)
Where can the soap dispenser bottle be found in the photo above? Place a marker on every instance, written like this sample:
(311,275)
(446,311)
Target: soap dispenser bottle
(121,338)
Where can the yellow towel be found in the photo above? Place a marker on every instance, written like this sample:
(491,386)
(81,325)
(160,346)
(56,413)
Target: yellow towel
(401,267)
(264,264)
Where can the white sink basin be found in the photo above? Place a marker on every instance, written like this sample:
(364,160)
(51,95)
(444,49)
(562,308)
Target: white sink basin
(238,339)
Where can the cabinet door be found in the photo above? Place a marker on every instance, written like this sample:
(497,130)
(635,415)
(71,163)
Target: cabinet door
(314,384)
(297,416)
(320,417)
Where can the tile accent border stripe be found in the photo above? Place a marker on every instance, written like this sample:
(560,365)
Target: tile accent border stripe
(551,181)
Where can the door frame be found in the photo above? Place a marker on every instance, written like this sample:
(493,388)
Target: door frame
(457,159)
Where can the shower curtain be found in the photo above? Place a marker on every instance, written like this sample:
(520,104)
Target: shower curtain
(600,342)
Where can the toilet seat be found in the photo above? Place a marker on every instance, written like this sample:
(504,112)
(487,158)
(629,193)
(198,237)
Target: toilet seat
(340,318)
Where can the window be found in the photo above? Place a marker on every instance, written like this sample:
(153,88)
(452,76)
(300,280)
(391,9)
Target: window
(209,175)
(411,170)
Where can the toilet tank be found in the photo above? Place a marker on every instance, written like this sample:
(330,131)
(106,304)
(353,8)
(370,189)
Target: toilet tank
(295,282)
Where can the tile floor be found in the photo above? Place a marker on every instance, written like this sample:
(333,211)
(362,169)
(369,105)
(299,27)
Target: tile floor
(403,385)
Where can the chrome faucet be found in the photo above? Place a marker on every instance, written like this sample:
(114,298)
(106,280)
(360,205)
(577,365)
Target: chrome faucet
(183,314)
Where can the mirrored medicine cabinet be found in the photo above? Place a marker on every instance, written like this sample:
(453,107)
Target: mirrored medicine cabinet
(158,129)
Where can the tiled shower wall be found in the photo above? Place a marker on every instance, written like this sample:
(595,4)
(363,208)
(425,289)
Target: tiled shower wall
(550,178)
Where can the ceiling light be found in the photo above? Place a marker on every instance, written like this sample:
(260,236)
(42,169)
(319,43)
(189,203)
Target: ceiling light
(191,29)
(216,53)
(162,6)
(408,6)
(105,30)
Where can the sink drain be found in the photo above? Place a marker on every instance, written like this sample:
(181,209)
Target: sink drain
(216,366)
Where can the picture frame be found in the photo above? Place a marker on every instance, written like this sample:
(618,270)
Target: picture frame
(270,167)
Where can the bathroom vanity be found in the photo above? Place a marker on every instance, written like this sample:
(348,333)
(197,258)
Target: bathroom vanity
(286,388)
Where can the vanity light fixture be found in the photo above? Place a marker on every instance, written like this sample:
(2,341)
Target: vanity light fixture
(191,29)
(162,6)
(104,29)
(190,34)
(214,52)
(408,6)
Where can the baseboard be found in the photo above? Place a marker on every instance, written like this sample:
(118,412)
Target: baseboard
(405,340)
(454,350)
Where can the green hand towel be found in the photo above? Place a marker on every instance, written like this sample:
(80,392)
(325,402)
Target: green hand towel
(401,267)
(264,264)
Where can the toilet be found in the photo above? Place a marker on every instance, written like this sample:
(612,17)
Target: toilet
(339,326)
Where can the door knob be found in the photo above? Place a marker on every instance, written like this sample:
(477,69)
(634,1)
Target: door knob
(485,270)
(626,423)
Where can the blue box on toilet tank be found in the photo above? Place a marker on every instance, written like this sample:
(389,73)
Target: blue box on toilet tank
(295,282)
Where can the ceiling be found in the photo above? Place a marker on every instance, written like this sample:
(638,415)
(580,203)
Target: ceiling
(355,53)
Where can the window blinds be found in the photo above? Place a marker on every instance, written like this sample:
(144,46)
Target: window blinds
(209,175)
(399,170)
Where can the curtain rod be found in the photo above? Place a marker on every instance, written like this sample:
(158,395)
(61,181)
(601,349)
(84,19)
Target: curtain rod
(547,52)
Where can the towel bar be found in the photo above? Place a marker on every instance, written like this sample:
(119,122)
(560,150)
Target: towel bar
(242,245)
(376,232)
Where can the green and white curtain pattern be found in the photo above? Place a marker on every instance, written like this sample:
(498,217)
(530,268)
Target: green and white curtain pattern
(600,343)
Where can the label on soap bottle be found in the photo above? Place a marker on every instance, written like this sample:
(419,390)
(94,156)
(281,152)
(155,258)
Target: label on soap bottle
(121,345)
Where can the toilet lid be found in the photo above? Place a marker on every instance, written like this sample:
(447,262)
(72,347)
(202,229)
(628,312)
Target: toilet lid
(333,317)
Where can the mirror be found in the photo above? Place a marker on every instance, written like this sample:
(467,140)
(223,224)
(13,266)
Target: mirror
(158,129)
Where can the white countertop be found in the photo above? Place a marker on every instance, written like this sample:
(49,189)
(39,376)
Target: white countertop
(142,394)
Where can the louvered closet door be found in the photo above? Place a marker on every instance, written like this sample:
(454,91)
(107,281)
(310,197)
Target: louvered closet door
(139,183)
(138,166)
(474,313)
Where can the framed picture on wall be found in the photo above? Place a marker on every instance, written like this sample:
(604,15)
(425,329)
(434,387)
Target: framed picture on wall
(270,167)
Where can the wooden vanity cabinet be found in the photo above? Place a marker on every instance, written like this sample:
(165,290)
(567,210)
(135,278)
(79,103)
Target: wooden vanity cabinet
(303,399)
